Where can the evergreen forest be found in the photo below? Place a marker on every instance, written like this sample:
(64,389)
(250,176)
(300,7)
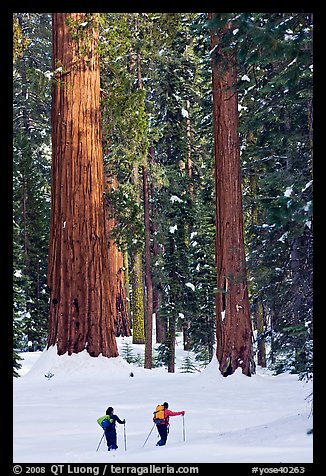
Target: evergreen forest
(165,134)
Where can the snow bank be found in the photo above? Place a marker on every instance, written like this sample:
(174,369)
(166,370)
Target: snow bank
(81,364)
(263,418)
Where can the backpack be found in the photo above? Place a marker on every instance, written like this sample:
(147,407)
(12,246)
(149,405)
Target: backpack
(105,422)
(159,414)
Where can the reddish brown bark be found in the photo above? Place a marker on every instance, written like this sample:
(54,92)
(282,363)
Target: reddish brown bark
(116,273)
(234,332)
(81,315)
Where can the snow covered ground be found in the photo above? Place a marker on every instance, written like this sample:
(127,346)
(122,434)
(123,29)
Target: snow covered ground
(237,419)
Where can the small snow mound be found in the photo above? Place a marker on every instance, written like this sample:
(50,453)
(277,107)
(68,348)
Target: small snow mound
(211,372)
(81,364)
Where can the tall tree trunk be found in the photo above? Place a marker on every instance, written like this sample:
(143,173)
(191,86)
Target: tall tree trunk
(310,125)
(81,315)
(126,280)
(189,159)
(26,132)
(172,319)
(160,323)
(148,277)
(186,323)
(137,302)
(258,306)
(138,311)
(171,343)
(295,271)
(122,321)
(116,271)
(234,332)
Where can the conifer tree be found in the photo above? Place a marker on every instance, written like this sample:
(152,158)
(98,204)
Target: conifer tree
(31,167)
(234,333)
(81,315)
(188,366)
(275,89)
(156,91)
(19,303)
(125,129)
(116,268)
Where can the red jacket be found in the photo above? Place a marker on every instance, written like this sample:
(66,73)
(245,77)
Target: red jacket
(168,413)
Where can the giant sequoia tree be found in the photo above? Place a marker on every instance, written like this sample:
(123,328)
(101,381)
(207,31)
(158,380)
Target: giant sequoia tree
(233,326)
(81,315)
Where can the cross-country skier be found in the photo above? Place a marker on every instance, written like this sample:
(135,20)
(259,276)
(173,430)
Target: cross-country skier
(163,428)
(110,431)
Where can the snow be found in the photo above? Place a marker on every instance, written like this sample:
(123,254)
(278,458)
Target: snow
(308,184)
(288,191)
(175,198)
(283,237)
(191,286)
(308,223)
(239,419)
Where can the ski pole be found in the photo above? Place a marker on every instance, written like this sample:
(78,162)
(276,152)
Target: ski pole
(148,435)
(124,433)
(100,442)
(183,428)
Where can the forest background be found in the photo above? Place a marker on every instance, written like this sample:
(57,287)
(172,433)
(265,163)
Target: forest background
(157,112)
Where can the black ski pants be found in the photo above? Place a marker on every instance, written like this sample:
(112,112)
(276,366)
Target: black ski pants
(111,439)
(163,432)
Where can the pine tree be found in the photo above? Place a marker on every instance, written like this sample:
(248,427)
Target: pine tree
(173,203)
(188,366)
(275,89)
(19,304)
(125,148)
(127,353)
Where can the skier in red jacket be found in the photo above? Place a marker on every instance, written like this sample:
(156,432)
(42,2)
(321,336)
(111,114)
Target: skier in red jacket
(163,428)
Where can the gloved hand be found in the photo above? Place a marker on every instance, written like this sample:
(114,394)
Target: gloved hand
(183,412)
(124,421)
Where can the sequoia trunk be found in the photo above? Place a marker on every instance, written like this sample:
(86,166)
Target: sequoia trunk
(81,314)
(234,332)
(116,270)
